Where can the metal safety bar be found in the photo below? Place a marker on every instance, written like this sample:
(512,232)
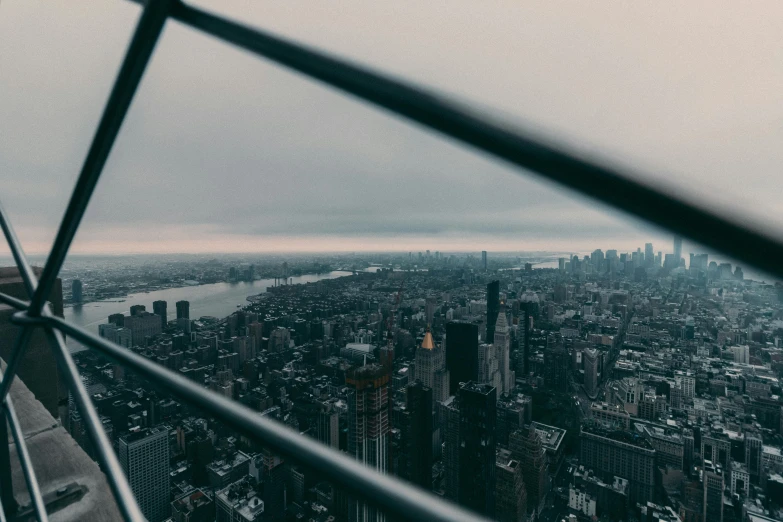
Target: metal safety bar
(613,186)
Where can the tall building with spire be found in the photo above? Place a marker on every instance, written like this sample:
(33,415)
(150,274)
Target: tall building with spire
(368,429)
(489,366)
(430,368)
(502,349)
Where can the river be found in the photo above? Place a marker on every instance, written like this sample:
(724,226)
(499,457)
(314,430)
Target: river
(217,300)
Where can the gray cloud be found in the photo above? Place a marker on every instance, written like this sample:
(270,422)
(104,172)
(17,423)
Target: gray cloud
(221,143)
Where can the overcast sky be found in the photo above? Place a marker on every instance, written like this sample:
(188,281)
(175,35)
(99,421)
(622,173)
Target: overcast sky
(225,152)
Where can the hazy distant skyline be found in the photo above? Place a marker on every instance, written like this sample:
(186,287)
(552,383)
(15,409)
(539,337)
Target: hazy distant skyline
(224,152)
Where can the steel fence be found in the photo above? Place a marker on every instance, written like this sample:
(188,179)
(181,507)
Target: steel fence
(613,186)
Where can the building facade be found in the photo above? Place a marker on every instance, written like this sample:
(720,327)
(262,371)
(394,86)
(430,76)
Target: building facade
(144,457)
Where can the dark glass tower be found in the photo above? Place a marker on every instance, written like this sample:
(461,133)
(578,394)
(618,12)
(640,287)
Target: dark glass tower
(76,291)
(477,419)
(183,310)
(461,353)
(556,366)
(526,322)
(160,308)
(419,443)
(493,309)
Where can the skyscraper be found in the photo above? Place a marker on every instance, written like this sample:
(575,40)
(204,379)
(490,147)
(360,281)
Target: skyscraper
(448,414)
(493,308)
(461,353)
(502,351)
(677,251)
(76,291)
(430,368)
(510,494)
(556,365)
(484,259)
(328,427)
(368,428)
(713,492)
(649,254)
(477,418)
(144,457)
(183,310)
(753,449)
(489,366)
(160,308)
(526,447)
(590,358)
(418,443)
(523,358)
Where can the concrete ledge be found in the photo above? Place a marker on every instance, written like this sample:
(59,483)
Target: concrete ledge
(58,461)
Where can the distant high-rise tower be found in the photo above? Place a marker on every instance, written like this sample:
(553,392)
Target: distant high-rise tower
(677,251)
(368,429)
(493,308)
(477,420)
(160,308)
(502,351)
(484,259)
(183,310)
(590,358)
(461,353)
(649,254)
(76,291)
(144,457)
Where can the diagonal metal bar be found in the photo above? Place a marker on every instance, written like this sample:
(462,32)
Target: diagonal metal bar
(599,180)
(124,497)
(25,270)
(390,494)
(30,282)
(13,301)
(123,494)
(139,51)
(25,461)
